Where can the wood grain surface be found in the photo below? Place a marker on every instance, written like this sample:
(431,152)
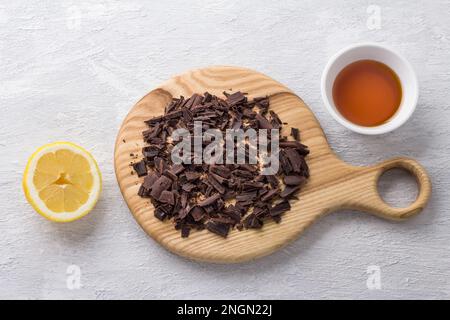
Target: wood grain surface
(333,184)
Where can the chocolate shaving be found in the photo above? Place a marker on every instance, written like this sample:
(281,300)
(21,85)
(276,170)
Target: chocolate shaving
(160,214)
(216,184)
(236,98)
(280,208)
(209,201)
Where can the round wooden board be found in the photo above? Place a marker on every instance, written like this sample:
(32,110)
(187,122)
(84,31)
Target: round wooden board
(333,184)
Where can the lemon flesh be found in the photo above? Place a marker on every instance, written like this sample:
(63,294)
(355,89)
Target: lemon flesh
(62,181)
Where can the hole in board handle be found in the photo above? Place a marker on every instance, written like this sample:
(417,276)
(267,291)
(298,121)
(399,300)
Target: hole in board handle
(398,187)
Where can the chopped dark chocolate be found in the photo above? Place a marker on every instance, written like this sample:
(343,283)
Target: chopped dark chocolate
(191,176)
(209,201)
(177,169)
(269,195)
(289,191)
(140,168)
(294,159)
(167,197)
(185,231)
(236,98)
(218,197)
(149,181)
(221,229)
(216,184)
(160,214)
(263,122)
(142,192)
(294,180)
(280,208)
(170,174)
(197,213)
(253,222)
(295,133)
(163,183)
(188,187)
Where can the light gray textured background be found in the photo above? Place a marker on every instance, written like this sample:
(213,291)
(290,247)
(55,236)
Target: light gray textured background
(71,70)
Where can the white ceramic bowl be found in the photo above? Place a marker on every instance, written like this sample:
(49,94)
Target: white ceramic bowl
(381,53)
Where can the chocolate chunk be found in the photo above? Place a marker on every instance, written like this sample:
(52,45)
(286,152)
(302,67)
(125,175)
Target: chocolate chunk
(140,168)
(209,201)
(294,159)
(280,208)
(260,212)
(223,219)
(160,214)
(221,229)
(167,197)
(285,164)
(163,183)
(275,122)
(236,98)
(301,148)
(150,152)
(191,176)
(142,192)
(294,180)
(149,181)
(295,133)
(170,174)
(188,187)
(197,213)
(263,123)
(253,222)
(185,232)
(233,213)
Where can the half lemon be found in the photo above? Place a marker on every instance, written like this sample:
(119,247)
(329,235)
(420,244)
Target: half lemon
(62,181)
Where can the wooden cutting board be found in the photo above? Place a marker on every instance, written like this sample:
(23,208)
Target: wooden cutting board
(333,184)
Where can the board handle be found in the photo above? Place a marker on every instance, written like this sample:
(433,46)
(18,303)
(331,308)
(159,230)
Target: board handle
(367,198)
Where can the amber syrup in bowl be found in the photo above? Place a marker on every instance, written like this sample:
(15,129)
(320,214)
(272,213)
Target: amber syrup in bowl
(369,88)
(367,93)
